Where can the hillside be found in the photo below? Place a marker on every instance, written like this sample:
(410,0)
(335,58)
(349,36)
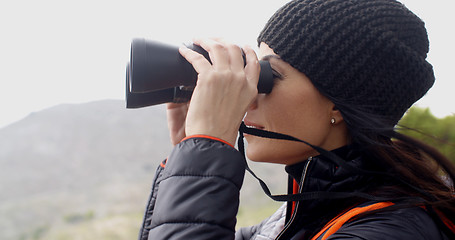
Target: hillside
(85,170)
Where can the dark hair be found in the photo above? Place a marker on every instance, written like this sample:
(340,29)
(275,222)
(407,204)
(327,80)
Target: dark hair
(421,169)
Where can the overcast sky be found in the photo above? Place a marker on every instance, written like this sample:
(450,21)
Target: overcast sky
(54,52)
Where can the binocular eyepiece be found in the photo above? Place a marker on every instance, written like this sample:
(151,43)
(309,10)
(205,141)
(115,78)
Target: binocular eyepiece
(157,74)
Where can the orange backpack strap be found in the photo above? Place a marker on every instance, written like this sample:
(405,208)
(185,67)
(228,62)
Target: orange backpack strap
(449,224)
(443,222)
(336,223)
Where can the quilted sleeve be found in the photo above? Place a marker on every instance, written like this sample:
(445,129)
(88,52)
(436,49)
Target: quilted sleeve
(198,195)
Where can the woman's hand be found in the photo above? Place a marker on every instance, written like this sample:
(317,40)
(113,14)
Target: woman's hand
(224,89)
(176,116)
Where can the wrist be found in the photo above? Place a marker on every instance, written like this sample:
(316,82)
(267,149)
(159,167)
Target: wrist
(209,137)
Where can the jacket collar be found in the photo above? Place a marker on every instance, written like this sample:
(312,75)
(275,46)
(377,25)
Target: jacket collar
(319,174)
(296,170)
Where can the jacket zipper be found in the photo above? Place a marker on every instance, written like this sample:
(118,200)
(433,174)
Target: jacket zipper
(302,181)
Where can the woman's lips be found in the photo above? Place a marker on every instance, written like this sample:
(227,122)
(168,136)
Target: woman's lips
(253,125)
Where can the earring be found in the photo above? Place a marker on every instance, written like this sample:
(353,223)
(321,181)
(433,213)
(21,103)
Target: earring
(332,121)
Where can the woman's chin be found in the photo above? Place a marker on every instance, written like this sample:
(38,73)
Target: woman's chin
(257,154)
(263,150)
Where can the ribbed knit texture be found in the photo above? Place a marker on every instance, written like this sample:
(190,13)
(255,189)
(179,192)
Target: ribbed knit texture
(368,53)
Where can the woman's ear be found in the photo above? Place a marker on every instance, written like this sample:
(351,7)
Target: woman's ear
(336,116)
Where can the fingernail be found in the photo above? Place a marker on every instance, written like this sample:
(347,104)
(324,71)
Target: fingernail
(183,49)
(247,47)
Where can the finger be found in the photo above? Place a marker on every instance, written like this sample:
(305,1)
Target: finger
(235,55)
(252,68)
(217,52)
(199,62)
(172,105)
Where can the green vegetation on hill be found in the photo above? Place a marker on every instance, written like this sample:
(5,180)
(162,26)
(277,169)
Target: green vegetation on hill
(421,124)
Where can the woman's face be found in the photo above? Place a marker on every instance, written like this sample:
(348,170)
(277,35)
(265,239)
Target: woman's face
(294,107)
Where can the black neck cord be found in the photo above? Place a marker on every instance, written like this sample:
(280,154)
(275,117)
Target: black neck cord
(332,157)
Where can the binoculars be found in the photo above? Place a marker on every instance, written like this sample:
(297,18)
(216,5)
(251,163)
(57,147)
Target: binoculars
(157,74)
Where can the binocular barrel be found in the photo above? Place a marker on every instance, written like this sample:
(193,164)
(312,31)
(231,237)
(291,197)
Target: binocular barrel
(157,74)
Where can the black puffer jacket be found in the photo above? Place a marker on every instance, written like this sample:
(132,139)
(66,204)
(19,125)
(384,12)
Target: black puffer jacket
(196,196)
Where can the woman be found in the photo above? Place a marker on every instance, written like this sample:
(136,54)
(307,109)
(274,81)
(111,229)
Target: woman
(347,70)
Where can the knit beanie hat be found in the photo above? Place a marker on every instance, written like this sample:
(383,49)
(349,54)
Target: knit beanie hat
(369,54)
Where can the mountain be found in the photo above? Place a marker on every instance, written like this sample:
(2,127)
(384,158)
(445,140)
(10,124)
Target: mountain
(86,170)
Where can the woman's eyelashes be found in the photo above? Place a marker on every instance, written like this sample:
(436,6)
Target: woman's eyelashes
(276,74)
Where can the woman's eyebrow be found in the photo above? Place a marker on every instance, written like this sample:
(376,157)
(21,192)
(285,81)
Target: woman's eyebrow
(268,57)
(276,73)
